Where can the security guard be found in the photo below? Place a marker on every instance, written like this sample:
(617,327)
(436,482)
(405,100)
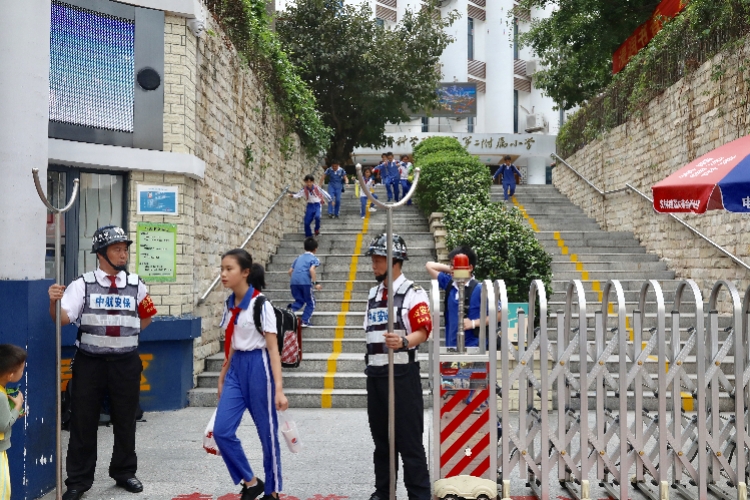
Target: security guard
(412,326)
(110,308)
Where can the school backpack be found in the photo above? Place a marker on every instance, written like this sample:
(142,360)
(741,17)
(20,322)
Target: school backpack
(289,332)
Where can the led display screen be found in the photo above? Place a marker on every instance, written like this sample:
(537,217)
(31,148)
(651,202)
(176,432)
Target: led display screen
(92,72)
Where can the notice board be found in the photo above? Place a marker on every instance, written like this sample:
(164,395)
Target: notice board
(156,255)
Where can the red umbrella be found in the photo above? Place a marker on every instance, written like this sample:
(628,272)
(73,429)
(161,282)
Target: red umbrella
(717,180)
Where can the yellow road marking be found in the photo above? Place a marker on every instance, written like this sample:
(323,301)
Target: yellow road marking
(329,377)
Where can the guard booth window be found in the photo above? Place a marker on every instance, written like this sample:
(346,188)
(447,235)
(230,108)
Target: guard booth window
(101,201)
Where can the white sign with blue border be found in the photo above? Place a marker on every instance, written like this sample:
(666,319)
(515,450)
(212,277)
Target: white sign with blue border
(161,200)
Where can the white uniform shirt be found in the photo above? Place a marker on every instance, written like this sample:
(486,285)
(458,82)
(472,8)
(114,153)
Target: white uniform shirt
(413,298)
(246,336)
(370,183)
(75,293)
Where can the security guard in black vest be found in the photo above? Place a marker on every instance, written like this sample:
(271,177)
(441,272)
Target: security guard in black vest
(110,308)
(413,324)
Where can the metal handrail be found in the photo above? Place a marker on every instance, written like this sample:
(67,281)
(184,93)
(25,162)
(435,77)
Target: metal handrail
(695,231)
(602,193)
(244,244)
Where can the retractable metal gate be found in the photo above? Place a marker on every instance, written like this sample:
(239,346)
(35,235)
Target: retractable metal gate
(653,400)
(464,433)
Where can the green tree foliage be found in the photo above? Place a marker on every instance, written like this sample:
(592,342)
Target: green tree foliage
(575,44)
(458,184)
(364,75)
(248,26)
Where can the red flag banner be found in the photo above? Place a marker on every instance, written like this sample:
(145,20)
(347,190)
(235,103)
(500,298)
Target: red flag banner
(665,11)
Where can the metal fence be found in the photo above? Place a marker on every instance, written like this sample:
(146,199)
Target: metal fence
(652,399)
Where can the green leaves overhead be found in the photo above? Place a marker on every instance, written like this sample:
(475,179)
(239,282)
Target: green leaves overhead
(576,43)
(363,75)
(248,26)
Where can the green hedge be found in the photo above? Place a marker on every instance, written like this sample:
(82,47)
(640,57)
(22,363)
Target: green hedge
(438,145)
(458,184)
(447,174)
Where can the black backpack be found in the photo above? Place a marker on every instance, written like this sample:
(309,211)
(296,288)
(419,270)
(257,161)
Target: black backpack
(288,332)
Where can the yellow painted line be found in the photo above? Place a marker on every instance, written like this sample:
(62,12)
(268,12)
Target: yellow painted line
(595,285)
(329,377)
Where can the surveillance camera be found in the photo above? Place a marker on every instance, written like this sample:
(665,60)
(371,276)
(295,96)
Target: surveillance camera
(197,27)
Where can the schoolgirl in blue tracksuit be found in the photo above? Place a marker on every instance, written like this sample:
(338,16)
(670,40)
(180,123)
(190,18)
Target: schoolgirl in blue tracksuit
(250,379)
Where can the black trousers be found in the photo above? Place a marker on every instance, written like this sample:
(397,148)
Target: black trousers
(409,431)
(92,378)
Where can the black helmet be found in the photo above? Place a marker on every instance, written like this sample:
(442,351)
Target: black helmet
(106,236)
(378,247)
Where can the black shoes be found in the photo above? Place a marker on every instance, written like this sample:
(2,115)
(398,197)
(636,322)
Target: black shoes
(73,494)
(252,492)
(133,485)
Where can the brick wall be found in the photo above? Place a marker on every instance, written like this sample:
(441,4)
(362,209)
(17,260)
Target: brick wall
(693,117)
(215,109)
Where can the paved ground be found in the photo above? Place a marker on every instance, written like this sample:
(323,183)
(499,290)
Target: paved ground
(336,463)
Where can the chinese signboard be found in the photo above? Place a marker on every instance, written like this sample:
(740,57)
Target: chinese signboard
(665,11)
(156,255)
(161,200)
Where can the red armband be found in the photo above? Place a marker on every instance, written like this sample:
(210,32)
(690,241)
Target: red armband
(146,308)
(420,317)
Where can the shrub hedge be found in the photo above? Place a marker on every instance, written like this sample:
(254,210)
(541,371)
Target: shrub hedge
(458,184)
(438,144)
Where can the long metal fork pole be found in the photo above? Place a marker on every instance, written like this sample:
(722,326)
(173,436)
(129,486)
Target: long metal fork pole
(391,382)
(58,325)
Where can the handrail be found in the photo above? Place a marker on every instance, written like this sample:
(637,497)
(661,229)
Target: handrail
(244,244)
(708,240)
(602,193)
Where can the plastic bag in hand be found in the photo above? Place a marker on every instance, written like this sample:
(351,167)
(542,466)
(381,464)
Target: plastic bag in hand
(288,429)
(209,444)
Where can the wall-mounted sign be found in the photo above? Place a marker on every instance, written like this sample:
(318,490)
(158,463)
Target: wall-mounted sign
(161,200)
(156,255)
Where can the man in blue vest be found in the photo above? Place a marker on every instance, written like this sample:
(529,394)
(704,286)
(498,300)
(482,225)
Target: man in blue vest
(472,298)
(110,308)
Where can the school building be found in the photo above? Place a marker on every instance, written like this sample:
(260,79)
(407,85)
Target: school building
(488,87)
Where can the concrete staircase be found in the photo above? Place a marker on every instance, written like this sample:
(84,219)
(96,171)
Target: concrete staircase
(580,249)
(332,371)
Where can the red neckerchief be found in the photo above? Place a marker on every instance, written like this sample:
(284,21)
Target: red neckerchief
(232,322)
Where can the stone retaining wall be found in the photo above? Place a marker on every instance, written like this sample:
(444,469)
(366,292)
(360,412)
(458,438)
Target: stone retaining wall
(215,108)
(696,115)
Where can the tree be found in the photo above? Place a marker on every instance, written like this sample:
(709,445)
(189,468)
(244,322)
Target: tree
(364,75)
(575,44)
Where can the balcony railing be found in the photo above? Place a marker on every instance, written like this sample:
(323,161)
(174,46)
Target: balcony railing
(477,13)
(385,13)
(478,68)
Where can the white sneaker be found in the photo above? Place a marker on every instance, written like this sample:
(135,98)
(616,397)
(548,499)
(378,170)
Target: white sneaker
(363,217)
(373,209)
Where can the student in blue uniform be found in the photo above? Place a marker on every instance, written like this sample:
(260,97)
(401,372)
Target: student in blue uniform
(508,171)
(370,185)
(336,180)
(405,169)
(250,379)
(315,197)
(472,302)
(303,279)
(392,177)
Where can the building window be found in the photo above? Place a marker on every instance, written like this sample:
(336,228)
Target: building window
(515,111)
(515,39)
(470,37)
(425,124)
(470,124)
(380,22)
(101,201)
